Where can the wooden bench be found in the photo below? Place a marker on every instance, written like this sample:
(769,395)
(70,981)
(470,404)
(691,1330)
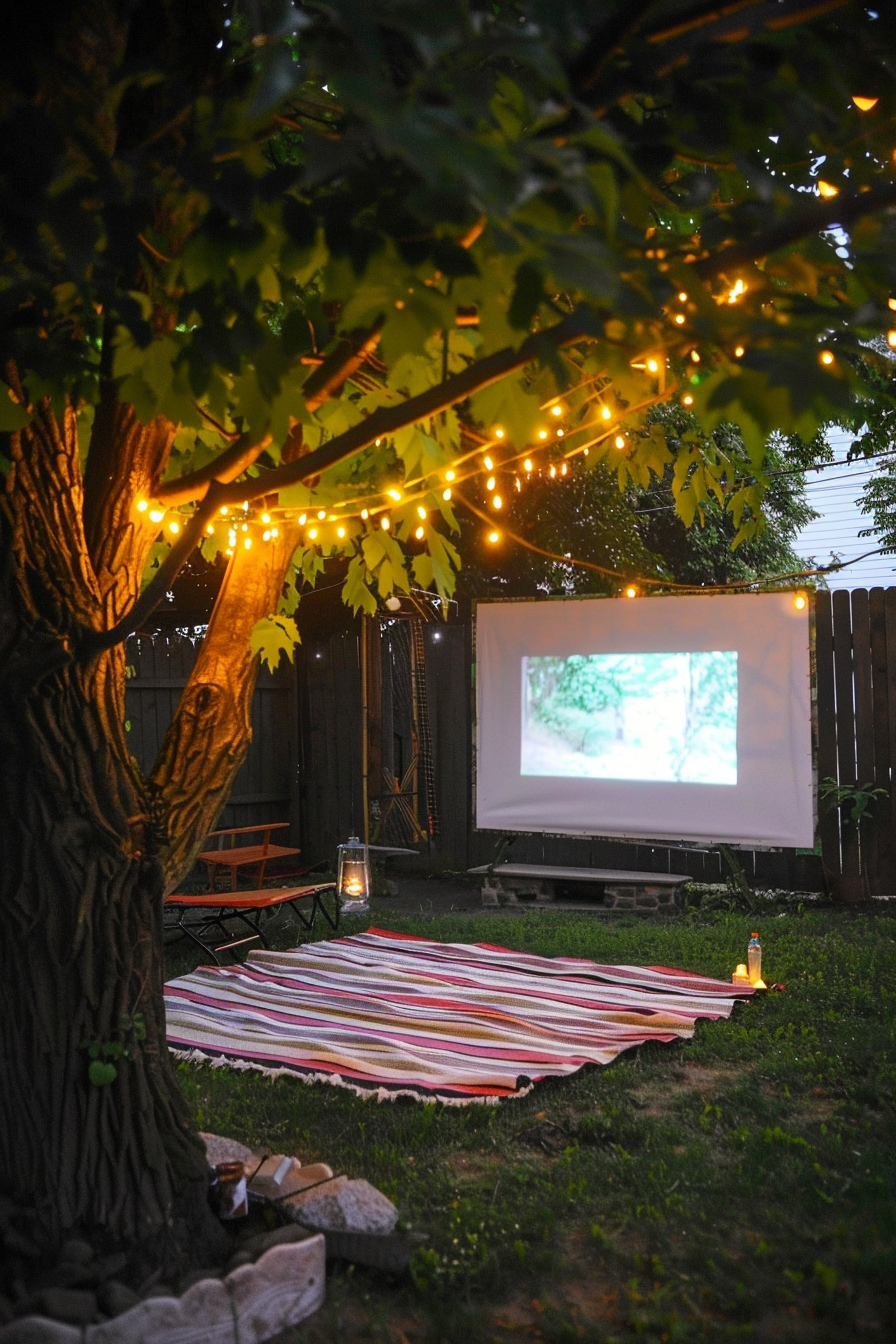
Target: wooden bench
(617,889)
(233,856)
(197,917)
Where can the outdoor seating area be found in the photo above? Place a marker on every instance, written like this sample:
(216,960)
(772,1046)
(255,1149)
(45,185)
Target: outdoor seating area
(232,852)
(200,917)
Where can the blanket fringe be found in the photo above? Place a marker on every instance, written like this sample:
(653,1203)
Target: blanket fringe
(199,1057)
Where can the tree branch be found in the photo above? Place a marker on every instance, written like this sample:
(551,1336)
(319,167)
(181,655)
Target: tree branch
(839,210)
(339,365)
(226,467)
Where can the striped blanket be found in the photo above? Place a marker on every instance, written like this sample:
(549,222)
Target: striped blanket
(387,1014)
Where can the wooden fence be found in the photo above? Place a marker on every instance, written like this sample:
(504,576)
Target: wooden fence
(855,671)
(341,733)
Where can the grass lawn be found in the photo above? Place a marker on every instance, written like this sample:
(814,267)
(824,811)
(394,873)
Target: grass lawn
(739,1186)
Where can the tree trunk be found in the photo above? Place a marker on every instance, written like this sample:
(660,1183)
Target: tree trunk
(114,1158)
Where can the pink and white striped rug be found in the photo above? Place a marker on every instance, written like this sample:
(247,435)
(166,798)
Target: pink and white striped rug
(387,1014)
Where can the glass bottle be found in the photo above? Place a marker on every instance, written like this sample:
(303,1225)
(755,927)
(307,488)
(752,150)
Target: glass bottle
(754,958)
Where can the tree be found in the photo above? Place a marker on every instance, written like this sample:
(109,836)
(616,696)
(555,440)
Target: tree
(273,279)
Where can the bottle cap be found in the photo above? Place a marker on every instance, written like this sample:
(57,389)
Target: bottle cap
(754,935)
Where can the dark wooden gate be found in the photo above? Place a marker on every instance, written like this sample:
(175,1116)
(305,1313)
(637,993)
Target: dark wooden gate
(855,662)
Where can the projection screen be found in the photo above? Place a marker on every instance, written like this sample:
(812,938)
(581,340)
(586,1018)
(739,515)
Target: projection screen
(663,718)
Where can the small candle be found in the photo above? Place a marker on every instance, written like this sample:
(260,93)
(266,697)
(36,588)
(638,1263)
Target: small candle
(740,976)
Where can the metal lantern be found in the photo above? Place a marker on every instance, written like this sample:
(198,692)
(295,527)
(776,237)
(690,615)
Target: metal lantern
(353,877)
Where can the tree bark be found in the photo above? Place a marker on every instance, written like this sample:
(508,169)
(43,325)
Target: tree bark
(81,884)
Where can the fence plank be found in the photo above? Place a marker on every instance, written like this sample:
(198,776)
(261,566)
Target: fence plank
(850,871)
(890,684)
(882,852)
(826,719)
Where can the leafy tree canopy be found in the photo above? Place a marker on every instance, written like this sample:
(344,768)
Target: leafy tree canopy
(346,249)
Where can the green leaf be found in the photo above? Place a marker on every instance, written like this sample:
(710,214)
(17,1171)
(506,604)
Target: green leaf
(273,636)
(355,592)
(102,1074)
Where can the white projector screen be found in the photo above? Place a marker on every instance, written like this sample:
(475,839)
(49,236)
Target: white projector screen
(663,718)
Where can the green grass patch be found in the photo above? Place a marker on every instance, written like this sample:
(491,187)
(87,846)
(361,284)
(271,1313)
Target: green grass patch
(740,1185)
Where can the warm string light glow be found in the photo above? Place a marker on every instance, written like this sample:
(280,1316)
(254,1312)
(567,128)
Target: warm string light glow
(827,190)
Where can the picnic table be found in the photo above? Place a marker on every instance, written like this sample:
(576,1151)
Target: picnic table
(230,855)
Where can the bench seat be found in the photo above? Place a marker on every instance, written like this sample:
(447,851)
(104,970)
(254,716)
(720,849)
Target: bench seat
(199,917)
(620,889)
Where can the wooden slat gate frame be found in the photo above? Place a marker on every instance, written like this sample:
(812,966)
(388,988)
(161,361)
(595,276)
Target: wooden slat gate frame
(855,673)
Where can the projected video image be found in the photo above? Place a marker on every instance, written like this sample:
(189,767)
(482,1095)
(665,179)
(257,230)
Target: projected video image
(663,717)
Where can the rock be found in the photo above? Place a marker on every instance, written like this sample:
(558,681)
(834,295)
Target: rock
(115,1298)
(73,1305)
(263,1241)
(76,1252)
(39,1330)
(342,1205)
(219,1149)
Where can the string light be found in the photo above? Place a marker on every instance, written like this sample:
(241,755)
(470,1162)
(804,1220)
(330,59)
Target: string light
(499,433)
(563,469)
(385,522)
(494,537)
(303,518)
(497,502)
(827,189)
(244,527)
(826,357)
(490,483)
(419,534)
(542,433)
(800,601)
(695,356)
(156,515)
(247,542)
(517,483)
(687,399)
(394,494)
(210,531)
(174,527)
(553,472)
(560,433)
(865,104)
(224,510)
(606,413)
(682,298)
(275,532)
(365,514)
(449,475)
(142,506)
(421,512)
(265,517)
(631,591)
(738,351)
(312,533)
(891,304)
(488,463)
(321,515)
(619,441)
(680,319)
(736,290)
(446,494)
(266,535)
(340,532)
(891,339)
(527,465)
(556,410)
(652,366)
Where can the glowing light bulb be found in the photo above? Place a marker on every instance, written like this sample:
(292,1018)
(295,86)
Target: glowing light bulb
(266,535)
(142,506)
(365,514)
(680,319)
(891,339)
(247,542)
(631,591)
(275,532)
(517,483)
(385,522)
(419,534)
(231,538)
(619,441)
(736,290)
(303,518)
(738,351)
(494,537)
(865,104)
(682,298)
(527,465)
(559,433)
(542,433)
(245,527)
(265,517)
(394,494)
(687,399)
(224,510)
(449,475)
(377,442)
(652,366)
(490,483)
(421,512)
(156,515)
(488,463)
(827,189)
(340,532)
(446,494)
(695,357)
(891,304)
(210,531)
(826,357)
(321,514)
(174,527)
(564,469)
(800,601)
(556,410)
(312,533)
(499,433)
(497,502)
(553,472)
(606,413)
